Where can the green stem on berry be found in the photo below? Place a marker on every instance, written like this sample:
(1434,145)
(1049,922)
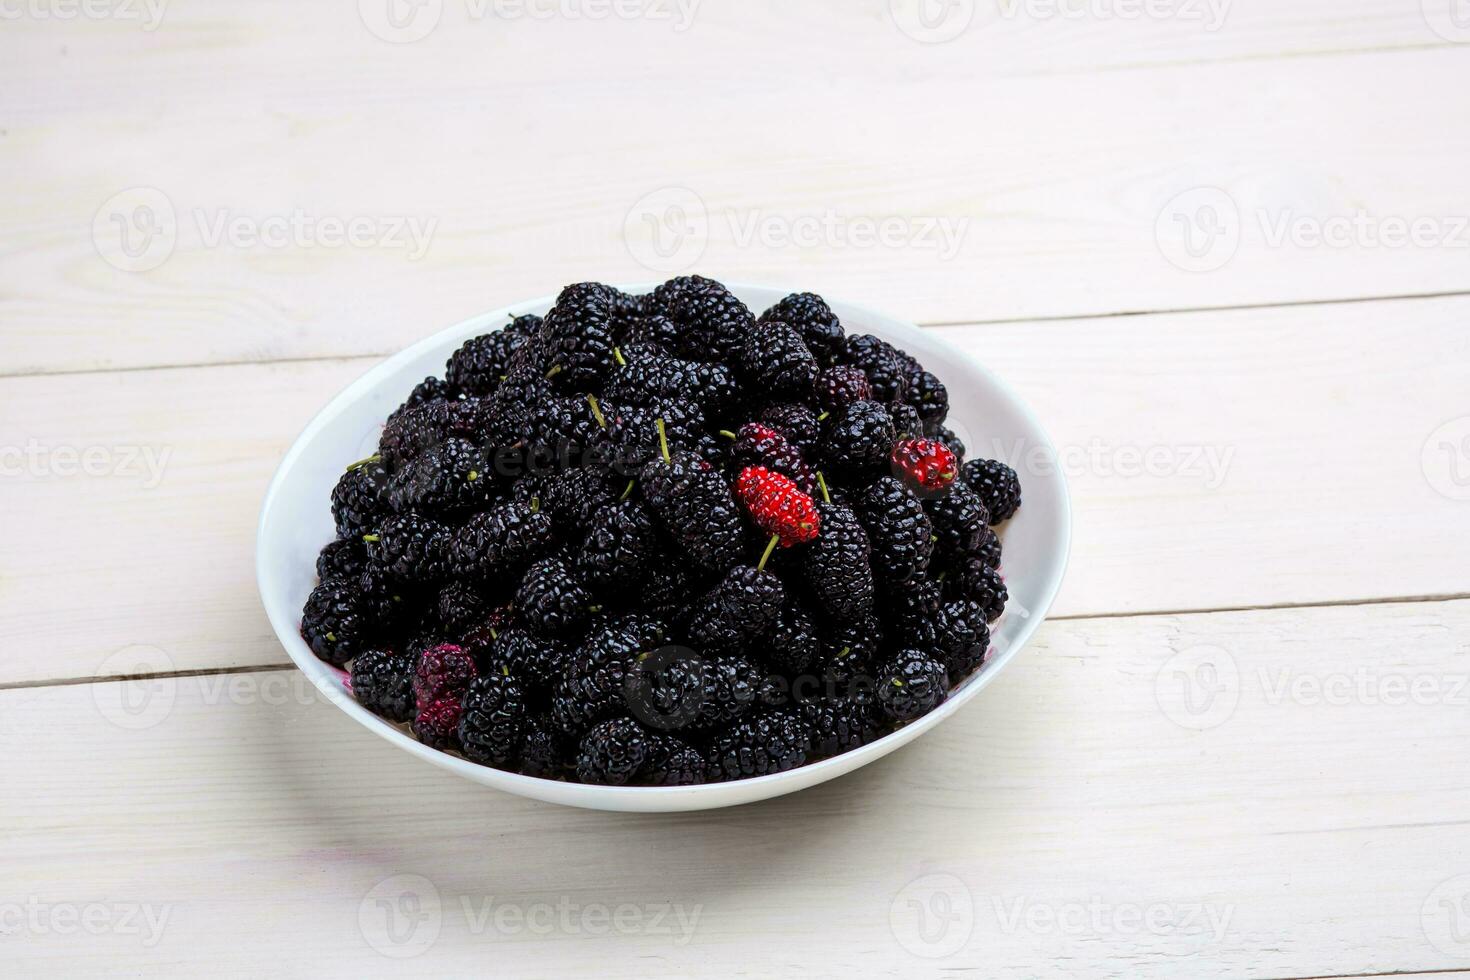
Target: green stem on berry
(374,458)
(770,547)
(618,356)
(822,482)
(555,370)
(596,410)
(627,490)
(493,634)
(845,651)
(594,609)
(370,538)
(823,416)
(663,441)
(473,475)
(535,504)
(728,434)
(504,671)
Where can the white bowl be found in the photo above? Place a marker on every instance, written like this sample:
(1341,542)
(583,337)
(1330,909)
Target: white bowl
(295,522)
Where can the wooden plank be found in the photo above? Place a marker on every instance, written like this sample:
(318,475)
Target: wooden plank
(1107,819)
(1243,458)
(699,41)
(1252,457)
(1014,196)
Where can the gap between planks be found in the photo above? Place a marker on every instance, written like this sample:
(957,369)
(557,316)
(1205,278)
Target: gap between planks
(928,325)
(1076,618)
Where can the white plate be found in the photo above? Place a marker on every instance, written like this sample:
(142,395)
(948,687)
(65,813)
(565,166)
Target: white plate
(296,521)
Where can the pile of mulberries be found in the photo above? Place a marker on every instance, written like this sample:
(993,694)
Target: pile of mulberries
(660,541)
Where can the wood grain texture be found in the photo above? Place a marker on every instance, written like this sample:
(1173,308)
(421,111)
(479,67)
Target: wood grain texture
(540,151)
(1252,461)
(1264,824)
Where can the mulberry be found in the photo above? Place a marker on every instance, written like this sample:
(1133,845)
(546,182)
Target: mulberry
(859,440)
(335,622)
(837,567)
(551,601)
(382,682)
(810,315)
(769,741)
(776,360)
(739,609)
(997,485)
(900,532)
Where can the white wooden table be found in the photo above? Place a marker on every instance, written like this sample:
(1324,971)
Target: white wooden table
(1222,248)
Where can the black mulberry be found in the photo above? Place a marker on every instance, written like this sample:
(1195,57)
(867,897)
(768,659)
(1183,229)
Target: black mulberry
(409,548)
(997,485)
(694,503)
(776,360)
(493,721)
(382,682)
(911,685)
(858,440)
(612,753)
(810,315)
(738,610)
(837,566)
(551,601)
(900,531)
(766,742)
(877,359)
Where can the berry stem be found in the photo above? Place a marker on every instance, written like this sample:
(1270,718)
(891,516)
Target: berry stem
(618,356)
(555,370)
(370,538)
(728,434)
(627,490)
(663,441)
(822,483)
(376,457)
(535,504)
(770,547)
(596,410)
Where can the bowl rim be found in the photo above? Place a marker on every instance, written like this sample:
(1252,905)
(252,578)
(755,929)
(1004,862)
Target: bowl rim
(328,679)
